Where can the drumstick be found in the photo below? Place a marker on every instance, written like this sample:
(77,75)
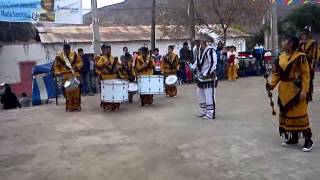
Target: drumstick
(269,92)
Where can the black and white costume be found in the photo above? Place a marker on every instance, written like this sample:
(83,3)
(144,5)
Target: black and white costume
(205,66)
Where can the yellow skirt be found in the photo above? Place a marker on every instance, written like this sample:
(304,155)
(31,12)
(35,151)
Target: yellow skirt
(295,120)
(146,99)
(171,91)
(232,73)
(110,106)
(73,100)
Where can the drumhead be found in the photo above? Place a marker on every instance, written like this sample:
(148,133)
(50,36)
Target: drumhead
(133,87)
(171,80)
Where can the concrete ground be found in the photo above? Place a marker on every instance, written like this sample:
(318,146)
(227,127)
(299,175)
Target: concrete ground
(163,142)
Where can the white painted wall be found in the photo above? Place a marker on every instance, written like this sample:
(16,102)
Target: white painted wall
(239,43)
(11,55)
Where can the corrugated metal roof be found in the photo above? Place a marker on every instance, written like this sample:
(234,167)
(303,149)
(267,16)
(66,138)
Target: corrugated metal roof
(82,34)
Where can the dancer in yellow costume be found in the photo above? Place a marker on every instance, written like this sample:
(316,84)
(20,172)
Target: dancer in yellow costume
(61,68)
(310,47)
(107,69)
(170,66)
(144,66)
(292,75)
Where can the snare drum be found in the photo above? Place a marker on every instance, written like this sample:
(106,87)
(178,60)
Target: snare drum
(171,80)
(71,84)
(133,87)
(114,91)
(151,85)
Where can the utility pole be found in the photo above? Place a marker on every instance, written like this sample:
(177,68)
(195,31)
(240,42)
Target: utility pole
(192,20)
(274,28)
(153,26)
(95,28)
(96,35)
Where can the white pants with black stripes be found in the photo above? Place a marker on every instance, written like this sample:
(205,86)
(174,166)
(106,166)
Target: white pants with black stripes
(206,97)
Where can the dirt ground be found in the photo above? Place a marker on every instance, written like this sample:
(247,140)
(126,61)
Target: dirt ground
(163,142)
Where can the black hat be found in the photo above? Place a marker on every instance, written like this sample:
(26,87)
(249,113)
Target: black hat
(144,50)
(66,46)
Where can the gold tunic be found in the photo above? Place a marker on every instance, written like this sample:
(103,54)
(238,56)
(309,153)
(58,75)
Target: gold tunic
(60,67)
(127,71)
(310,48)
(140,67)
(106,67)
(291,74)
(170,65)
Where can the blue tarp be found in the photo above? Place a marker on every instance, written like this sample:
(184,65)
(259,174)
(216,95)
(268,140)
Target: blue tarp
(43,84)
(41,69)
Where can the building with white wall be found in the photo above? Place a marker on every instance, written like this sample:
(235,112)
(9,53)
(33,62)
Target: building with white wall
(13,57)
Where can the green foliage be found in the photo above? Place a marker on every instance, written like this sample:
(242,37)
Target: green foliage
(12,32)
(306,15)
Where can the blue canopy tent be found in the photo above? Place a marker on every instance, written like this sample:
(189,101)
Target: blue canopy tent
(44,84)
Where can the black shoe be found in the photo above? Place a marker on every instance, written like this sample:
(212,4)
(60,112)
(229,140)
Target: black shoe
(308,145)
(290,142)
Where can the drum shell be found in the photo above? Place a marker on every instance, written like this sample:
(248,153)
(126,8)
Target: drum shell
(71,84)
(114,91)
(151,85)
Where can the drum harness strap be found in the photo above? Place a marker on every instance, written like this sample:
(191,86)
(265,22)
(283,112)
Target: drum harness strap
(68,64)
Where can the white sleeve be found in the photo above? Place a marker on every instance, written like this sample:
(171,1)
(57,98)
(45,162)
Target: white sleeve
(194,65)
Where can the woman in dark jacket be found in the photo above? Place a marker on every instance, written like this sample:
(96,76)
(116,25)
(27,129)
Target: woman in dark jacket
(9,99)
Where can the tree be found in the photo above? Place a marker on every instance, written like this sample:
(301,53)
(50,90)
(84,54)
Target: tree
(217,15)
(230,13)
(306,15)
(11,32)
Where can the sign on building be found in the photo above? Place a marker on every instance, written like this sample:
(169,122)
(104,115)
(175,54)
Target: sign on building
(55,11)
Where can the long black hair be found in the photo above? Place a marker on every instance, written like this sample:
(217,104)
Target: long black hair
(7,89)
(294,41)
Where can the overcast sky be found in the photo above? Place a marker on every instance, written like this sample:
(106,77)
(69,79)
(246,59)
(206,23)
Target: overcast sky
(86,4)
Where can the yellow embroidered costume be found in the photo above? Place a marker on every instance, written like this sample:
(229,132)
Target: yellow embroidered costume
(73,98)
(144,66)
(170,66)
(106,69)
(292,75)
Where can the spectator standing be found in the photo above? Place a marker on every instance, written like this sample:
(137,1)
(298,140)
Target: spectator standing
(9,99)
(86,86)
(258,54)
(220,65)
(185,57)
(157,61)
(134,58)
(125,53)
(25,101)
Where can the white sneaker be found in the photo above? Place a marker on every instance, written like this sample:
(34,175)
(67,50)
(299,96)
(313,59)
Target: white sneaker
(308,145)
(202,115)
(207,117)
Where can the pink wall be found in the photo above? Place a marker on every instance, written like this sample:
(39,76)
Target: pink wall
(25,85)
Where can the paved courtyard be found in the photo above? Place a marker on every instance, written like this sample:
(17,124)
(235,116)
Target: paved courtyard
(163,142)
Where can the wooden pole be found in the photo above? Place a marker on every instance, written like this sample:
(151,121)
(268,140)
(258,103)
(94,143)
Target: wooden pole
(153,26)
